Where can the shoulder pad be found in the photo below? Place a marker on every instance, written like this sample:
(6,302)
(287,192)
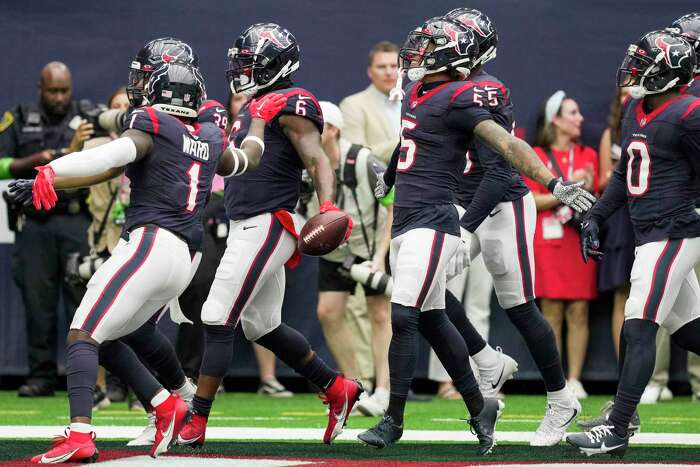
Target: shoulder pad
(301,102)
(213,112)
(145,119)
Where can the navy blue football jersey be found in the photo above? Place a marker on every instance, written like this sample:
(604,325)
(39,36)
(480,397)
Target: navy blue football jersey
(276,183)
(485,170)
(658,166)
(213,112)
(432,154)
(170,186)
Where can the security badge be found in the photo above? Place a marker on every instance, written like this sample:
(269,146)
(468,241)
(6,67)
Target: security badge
(33,123)
(7,120)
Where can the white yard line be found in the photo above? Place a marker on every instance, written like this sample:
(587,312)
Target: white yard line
(312,434)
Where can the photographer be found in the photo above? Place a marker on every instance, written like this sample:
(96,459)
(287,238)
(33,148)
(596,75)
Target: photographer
(30,135)
(356,168)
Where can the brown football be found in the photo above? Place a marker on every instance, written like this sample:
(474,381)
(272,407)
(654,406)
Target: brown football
(323,233)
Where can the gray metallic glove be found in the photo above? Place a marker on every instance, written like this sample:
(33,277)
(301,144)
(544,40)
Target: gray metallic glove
(380,188)
(572,194)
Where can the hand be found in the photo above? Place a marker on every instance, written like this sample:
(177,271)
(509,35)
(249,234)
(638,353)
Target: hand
(461,259)
(590,241)
(572,194)
(380,188)
(330,206)
(378,263)
(21,191)
(44,194)
(82,134)
(267,107)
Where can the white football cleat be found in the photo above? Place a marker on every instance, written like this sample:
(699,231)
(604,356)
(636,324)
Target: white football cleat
(148,435)
(577,389)
(491,380)
(374,405)
(559,415)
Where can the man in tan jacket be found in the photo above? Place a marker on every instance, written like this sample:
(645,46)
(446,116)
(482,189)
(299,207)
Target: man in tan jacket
(371,119)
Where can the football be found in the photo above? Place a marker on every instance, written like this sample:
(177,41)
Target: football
(323,233)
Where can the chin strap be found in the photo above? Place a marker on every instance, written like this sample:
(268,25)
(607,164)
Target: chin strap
(396,94)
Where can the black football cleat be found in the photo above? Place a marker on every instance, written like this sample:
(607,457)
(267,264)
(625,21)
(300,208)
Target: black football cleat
(602,419)
(484,425)
(599,440)
(383,434)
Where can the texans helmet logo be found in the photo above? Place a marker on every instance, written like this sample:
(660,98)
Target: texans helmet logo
(477,24)
(674,49)
(461,39)
(275,37)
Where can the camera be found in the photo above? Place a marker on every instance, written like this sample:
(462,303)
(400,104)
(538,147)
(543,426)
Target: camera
(362,273)
(92,116)
(79,268)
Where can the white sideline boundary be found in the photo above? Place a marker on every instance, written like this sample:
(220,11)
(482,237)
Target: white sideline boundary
(313,434)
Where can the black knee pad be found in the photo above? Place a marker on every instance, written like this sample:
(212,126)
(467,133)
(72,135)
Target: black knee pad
(688,337)
(404,318)
(529,320)
(640,333)
(218,350)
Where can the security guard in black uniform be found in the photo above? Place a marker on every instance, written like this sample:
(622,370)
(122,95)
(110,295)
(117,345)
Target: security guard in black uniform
(32,135)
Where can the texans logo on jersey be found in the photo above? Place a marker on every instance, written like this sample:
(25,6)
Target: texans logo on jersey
(675,52)
(463,41)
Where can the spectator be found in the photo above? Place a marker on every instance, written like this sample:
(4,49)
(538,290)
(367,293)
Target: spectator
(618,240)
(357,169)
(31,135)
(370,118)
(564,282)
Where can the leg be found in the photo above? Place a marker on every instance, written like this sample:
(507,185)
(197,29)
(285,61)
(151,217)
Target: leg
(331,314)
(577,340)
(266,362)
(478,296)
(37,273)
(618,315)
(553,311)
(378,307)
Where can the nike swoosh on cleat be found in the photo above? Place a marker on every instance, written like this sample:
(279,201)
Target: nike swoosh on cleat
(167,435)
(493,386)
(570,419)
(604,448)
(56,460)
(188,441)
(339,417)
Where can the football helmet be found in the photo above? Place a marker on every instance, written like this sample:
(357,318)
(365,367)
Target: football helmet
(149,57)
(688,26)
(439,44)
(263,54)
(658,61)
(483,28)
(176,88)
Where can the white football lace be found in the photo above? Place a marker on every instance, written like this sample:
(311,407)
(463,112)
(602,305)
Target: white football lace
(597,433)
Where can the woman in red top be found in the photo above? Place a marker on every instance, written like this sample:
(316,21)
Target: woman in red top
(564,282)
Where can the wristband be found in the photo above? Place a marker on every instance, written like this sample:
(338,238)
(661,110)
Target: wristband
(237,170)
(256,140)
(552,184)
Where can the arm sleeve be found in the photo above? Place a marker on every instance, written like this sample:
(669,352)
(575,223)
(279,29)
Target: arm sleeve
(615,195)
(97,160)
(375,168)
(496,180)
(390,174)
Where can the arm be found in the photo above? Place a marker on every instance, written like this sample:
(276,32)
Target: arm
(235,161)
(606,163)
(306,139)
(515,150)
(63,183)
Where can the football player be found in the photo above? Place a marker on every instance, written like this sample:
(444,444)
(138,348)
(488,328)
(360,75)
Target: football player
(249,283)
(499,211)
(170,160)
(660,143)
(688,26)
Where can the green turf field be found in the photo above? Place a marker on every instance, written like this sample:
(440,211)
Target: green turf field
(522,413)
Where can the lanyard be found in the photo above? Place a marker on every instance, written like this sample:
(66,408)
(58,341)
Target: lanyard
(571,163)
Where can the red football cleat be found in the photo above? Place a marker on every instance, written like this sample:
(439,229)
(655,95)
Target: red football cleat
(340,397)
(193,433)
(171,417)
(71,447)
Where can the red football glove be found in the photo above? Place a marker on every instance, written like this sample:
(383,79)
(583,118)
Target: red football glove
(268,106)
(330,206)
(44,194)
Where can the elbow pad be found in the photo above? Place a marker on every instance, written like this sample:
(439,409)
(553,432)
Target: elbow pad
(94,161)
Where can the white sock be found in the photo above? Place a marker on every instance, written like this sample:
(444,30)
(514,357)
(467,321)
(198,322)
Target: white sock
(159,398)
(486,358)
(562,395)
(381,393)
(81,427)
(187,390)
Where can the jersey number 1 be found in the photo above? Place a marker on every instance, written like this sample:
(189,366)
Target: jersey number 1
(193,173)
